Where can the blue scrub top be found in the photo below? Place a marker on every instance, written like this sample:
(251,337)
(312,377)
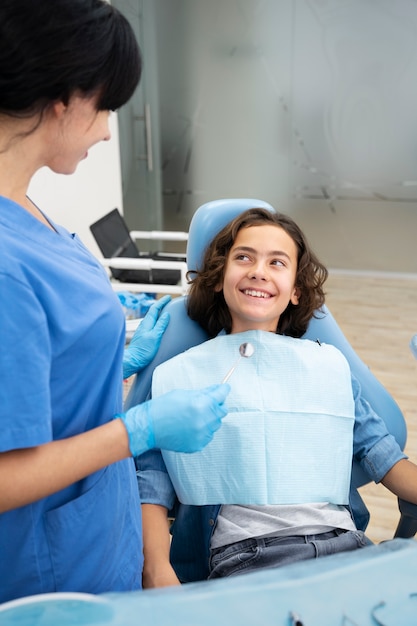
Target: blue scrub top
(62,340)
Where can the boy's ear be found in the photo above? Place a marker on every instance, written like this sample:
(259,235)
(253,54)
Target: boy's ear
(295,297)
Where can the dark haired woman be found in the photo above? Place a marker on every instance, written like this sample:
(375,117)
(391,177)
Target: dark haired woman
(69,507)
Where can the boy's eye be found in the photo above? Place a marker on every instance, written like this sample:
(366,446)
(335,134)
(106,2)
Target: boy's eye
(242,257)
(278,262)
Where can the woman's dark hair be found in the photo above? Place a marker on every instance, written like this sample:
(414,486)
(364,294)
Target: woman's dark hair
(50,49)
(208,307)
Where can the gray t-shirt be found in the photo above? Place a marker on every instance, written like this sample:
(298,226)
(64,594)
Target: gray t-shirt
(236,523)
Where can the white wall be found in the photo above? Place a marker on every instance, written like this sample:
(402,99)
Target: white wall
(77,200)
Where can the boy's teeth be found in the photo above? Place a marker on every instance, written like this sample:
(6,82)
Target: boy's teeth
(256,294)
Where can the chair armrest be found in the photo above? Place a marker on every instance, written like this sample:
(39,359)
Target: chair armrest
(407,526)
(147,264)
(167,235)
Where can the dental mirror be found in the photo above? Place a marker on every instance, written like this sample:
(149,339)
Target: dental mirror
(245,350)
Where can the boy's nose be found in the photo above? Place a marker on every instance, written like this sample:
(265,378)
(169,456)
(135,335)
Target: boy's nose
(259,271)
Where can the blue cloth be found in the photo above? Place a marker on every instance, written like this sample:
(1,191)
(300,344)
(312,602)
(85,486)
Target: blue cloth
(135,305)
(373,447)
(275,424)
(62,341)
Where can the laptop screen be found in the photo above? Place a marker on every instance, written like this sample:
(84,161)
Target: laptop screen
(113,237)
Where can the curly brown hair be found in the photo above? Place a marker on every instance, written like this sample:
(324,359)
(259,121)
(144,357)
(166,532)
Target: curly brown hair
(207,306)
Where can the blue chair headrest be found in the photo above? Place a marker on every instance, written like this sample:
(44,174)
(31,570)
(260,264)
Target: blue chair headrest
(209,219)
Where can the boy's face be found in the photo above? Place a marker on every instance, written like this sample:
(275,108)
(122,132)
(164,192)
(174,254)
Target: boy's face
(259,279)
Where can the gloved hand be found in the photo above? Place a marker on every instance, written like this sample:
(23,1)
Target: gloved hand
(180,420)
(145,342)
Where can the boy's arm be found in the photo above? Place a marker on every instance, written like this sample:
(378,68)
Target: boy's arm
(401,479)
(158,497)
(157,570)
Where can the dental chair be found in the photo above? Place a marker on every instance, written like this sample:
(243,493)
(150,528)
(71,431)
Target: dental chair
(183,333)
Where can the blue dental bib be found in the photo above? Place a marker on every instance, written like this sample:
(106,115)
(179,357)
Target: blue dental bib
(287,438)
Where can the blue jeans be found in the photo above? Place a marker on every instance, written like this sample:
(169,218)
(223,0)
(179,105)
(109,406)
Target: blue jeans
(252,554)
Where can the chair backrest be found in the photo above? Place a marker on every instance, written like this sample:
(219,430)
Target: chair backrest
(183,333)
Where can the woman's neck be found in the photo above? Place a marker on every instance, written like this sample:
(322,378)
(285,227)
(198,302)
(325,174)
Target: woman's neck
(19,161)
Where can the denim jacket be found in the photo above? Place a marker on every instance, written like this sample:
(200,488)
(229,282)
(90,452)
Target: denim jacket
(374,449)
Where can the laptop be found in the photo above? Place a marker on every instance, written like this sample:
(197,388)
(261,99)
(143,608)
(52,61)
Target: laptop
(113,238)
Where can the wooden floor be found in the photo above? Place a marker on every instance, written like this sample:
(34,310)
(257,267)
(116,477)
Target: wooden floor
(378,315)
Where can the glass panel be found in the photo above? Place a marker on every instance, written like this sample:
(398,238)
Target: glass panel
(138,129)
(307,104)
(354,130)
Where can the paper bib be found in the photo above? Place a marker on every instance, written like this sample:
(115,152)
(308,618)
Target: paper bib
(288,435)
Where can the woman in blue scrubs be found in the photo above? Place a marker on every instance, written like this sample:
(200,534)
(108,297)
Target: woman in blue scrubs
(69,505)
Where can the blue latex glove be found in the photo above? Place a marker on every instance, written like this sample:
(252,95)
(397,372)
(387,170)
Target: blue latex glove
(181,421)
(145,342)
